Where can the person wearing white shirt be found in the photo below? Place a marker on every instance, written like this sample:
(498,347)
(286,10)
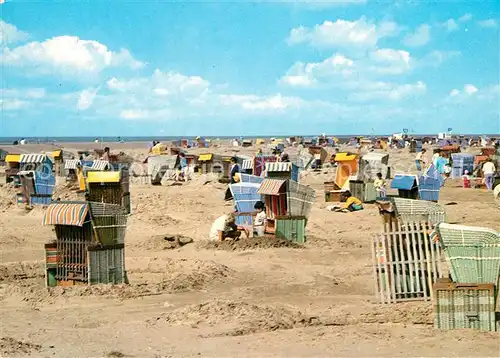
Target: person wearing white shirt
(225,227)
(489,171)
(259,223)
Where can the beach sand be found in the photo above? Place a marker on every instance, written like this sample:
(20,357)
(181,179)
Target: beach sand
(204,300)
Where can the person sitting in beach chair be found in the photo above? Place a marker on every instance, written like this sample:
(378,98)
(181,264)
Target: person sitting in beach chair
(225,227)
(259,223)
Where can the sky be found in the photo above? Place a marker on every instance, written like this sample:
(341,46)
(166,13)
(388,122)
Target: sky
(142,68)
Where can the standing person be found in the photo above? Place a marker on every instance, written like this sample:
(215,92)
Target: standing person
(225,227)
(380,186)
(259,224)
(489,171)
(183,168)
(420,160)
(435,156)
(235,168)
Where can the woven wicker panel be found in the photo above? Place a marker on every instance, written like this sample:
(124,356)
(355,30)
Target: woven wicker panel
(473,253)
(460,308)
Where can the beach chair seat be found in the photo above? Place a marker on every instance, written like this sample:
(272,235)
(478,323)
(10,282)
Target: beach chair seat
(473,253)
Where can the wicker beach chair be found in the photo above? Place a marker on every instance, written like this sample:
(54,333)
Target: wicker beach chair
(409,210)
(473,253)
(496,195)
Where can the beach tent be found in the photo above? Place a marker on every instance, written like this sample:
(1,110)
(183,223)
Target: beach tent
(288,204)
(407,185)
(372,163)
(347,165)
(282,170)
(259,164)
(109,187)
(460,163)
(89,247)
(161,165)
(245,196)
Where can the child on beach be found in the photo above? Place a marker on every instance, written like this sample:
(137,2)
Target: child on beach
(466,180)
(380,186)
(260,219)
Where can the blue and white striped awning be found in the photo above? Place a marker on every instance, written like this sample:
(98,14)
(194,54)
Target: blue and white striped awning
(33,158)
(99,165)
(278,166)
(71,163)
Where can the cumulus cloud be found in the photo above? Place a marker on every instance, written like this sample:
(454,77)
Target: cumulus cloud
(387,91)
(68,55)
(162,84)
(470,89)
(420,37)
(450,25)
(86,98)
(308,74)
(342,33)
(10,34)
(490,23)
(12,104)
(339,68)
(436,58)
(465,18)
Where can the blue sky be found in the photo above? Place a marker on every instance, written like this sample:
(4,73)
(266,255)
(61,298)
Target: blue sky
(247,68)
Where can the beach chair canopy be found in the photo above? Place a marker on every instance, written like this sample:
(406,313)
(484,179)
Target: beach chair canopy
(473,253)
(272,187)
(404,182)
(63,213)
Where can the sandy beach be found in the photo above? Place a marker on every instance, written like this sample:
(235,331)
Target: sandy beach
(245,299)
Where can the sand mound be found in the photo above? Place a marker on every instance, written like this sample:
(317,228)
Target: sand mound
(239,318)
(401,313)
(165,242)
(10,272)
(247,244)
(25,281)
(7,196)
(10,346)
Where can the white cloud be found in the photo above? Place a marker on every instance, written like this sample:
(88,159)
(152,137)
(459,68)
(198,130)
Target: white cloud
(162,84)
(390,62)
(134,114)
(436,58)
(470,89)
(338,69)
(450,25)
(420,37)
(10,34)
(68,55)
(465,18)
(86,98)
(12,104)
(261,103)
(490,23)
(342,33)
(390,91)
